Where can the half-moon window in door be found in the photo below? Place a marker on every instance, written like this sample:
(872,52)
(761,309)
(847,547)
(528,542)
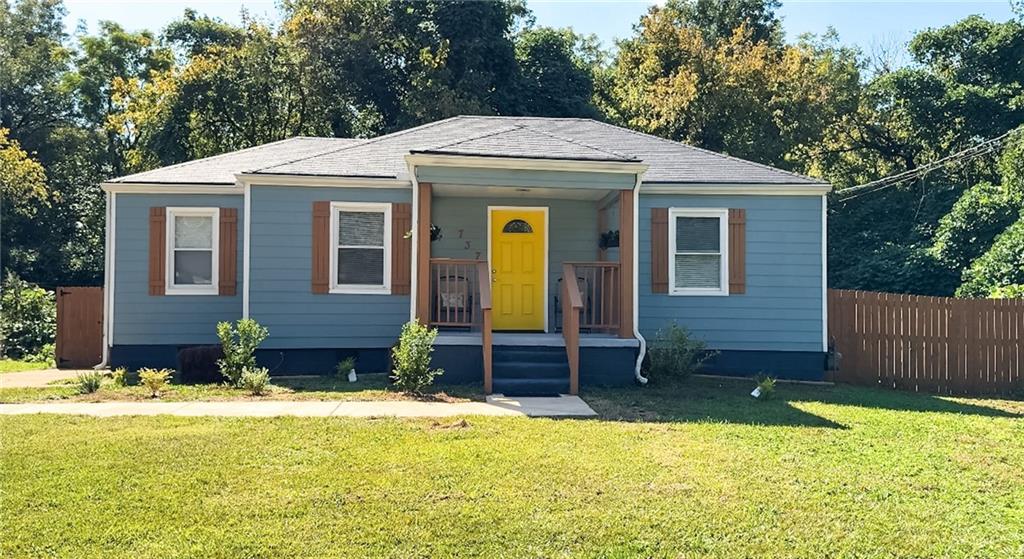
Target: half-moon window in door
(517,226)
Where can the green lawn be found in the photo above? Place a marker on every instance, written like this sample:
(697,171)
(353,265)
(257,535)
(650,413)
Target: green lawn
(16,366)
(697,469)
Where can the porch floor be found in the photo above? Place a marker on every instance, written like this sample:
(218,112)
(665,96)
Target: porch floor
(529,339)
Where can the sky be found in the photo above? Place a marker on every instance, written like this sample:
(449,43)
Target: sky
(867,24)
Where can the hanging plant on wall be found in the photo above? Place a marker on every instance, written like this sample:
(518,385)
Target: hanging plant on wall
(609,240)
(435,233)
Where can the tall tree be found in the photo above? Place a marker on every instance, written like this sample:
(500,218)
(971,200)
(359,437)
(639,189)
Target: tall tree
(557,72)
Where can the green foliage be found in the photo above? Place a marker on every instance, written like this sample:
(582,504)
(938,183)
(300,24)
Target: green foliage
(239,343)
(155,380)
(344,366)
(255,380)
(1012,291)
(29,320)
(557,69)
(765,386)
(966,232)
(411,357)
(88,382)
(1002,265)
(119,377)
(675,354)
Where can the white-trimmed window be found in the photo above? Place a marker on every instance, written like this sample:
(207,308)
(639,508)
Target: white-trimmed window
(698,247)
(360,247)
(192,246)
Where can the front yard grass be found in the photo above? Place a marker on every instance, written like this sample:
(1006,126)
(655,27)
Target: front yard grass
(695,469)
(373,386)
(17,366)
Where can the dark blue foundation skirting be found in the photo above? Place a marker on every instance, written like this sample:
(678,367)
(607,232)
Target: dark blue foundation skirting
(789,365)
(279,361)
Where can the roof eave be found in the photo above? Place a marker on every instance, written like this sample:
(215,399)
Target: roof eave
(735,188)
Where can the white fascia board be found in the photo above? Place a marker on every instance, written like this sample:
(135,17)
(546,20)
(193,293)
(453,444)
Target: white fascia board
(758,189)
(176,188)
(260,179)
(487,162)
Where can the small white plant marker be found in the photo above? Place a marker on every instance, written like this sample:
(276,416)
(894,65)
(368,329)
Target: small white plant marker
(352,375)
(756,393)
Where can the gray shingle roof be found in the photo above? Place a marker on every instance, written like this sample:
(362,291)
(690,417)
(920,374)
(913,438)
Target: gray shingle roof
(221,169)
(517,137)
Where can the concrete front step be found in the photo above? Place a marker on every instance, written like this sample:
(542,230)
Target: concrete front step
(531,387)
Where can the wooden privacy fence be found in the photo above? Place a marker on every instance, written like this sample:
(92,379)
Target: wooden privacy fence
(929,344)
(79,342)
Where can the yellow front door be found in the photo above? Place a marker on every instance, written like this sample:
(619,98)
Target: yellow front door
(517,268)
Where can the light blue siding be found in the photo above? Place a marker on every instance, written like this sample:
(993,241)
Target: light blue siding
(142,319)
(572,231)
(782,307)
(280,293)
(525,178)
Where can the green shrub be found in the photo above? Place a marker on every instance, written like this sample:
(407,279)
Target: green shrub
(239,343)
(29,320)
(1012,291)
(411,357)
(344,366)
(255,380)
(120,377)
(674,353)
(155,380)
(89,382)
(765,387)
(1002,265)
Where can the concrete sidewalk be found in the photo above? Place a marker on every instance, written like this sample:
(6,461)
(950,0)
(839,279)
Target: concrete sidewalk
(38,379)
(497,405)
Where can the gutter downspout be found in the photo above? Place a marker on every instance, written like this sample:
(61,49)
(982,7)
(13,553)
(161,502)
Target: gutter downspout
(107,256)
(636,282)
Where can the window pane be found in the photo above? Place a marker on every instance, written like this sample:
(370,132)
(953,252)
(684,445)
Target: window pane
(360,266)
(193,231)
(697,234)
(698,271)
(193,267)
(361,228)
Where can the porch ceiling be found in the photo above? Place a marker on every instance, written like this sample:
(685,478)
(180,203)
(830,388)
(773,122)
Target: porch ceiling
(472,191)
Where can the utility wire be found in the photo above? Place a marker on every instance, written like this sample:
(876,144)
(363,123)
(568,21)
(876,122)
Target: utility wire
(986,147)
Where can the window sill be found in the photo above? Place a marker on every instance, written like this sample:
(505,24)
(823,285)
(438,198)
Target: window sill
(187,291)
(359,290)
(699,293)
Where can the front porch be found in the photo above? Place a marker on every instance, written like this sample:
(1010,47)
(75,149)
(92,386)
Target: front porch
(580,309)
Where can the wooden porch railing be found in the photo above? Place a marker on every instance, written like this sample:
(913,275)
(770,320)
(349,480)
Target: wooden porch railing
(572,304)
(460,297)
(599,288)
(484,281)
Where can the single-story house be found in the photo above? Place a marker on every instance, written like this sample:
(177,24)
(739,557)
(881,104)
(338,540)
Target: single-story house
(548,251)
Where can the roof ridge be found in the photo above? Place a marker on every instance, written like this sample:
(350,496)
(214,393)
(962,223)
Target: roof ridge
(209,158)
(711,152)
(359,144)
(588,146)
(478,136)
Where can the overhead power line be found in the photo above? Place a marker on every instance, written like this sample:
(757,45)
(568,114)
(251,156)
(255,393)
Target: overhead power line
(986,147)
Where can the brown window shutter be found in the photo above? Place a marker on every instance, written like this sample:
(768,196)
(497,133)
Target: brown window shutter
(659,250)
(157,251)
(321,247)
(737,250)
(228,266)
(401,249)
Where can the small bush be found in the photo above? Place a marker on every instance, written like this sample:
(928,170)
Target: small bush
(676,354)
(239,345)
(120,377)
(155,380)
(199,364)
(411,358)
(344,366)
(89,382)
(255,380)
(765,387)
(29,320)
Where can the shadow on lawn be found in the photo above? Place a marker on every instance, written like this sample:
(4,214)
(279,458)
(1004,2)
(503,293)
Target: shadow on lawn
(729,401)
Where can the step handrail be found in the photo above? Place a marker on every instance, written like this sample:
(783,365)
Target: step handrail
(572,303)
(483,277)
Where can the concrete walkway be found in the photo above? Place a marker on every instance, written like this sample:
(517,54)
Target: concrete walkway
(37,379)
(497,405)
